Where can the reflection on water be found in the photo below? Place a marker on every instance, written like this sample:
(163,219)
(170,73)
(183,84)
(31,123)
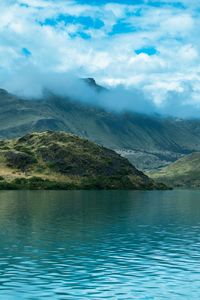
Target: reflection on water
(100,245)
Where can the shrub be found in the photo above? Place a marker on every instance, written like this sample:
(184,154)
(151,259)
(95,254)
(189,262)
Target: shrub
(19,160)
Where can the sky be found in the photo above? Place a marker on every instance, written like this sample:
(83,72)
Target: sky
(150,46)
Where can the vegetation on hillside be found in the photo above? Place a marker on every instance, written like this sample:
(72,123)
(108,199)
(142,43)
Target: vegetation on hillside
(57,160)
(183,173)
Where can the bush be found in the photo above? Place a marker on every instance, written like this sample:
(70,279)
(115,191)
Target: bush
(19,160)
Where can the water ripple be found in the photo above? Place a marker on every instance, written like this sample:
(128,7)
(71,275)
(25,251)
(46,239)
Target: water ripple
(99,245)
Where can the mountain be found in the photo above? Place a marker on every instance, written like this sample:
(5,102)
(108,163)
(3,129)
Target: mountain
(57,160)
(147,141)
(183,173)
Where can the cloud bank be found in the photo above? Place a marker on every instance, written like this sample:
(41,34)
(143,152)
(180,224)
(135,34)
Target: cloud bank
(147,53)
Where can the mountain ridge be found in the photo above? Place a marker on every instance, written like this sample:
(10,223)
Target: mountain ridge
(157,138)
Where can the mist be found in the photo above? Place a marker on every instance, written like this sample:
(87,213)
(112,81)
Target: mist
(32,84)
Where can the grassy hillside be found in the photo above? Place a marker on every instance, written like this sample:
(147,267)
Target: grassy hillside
(57,160)
(162,140)
(184,173)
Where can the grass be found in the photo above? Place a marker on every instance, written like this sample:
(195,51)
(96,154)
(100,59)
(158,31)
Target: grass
(183,173)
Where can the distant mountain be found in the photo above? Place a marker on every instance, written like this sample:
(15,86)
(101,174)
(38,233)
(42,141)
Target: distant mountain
(183,173)
(148,141)
(57,160)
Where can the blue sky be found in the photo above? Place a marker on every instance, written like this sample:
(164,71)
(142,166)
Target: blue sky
(149,45)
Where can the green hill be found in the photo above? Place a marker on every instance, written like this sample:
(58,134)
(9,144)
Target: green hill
(184,173)
(57,160)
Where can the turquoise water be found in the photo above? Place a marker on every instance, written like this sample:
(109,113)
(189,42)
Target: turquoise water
(100,245)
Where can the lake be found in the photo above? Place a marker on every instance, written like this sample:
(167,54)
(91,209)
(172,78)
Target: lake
(99,245)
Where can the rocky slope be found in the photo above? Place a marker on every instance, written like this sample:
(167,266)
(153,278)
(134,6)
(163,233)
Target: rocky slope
(57,160)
